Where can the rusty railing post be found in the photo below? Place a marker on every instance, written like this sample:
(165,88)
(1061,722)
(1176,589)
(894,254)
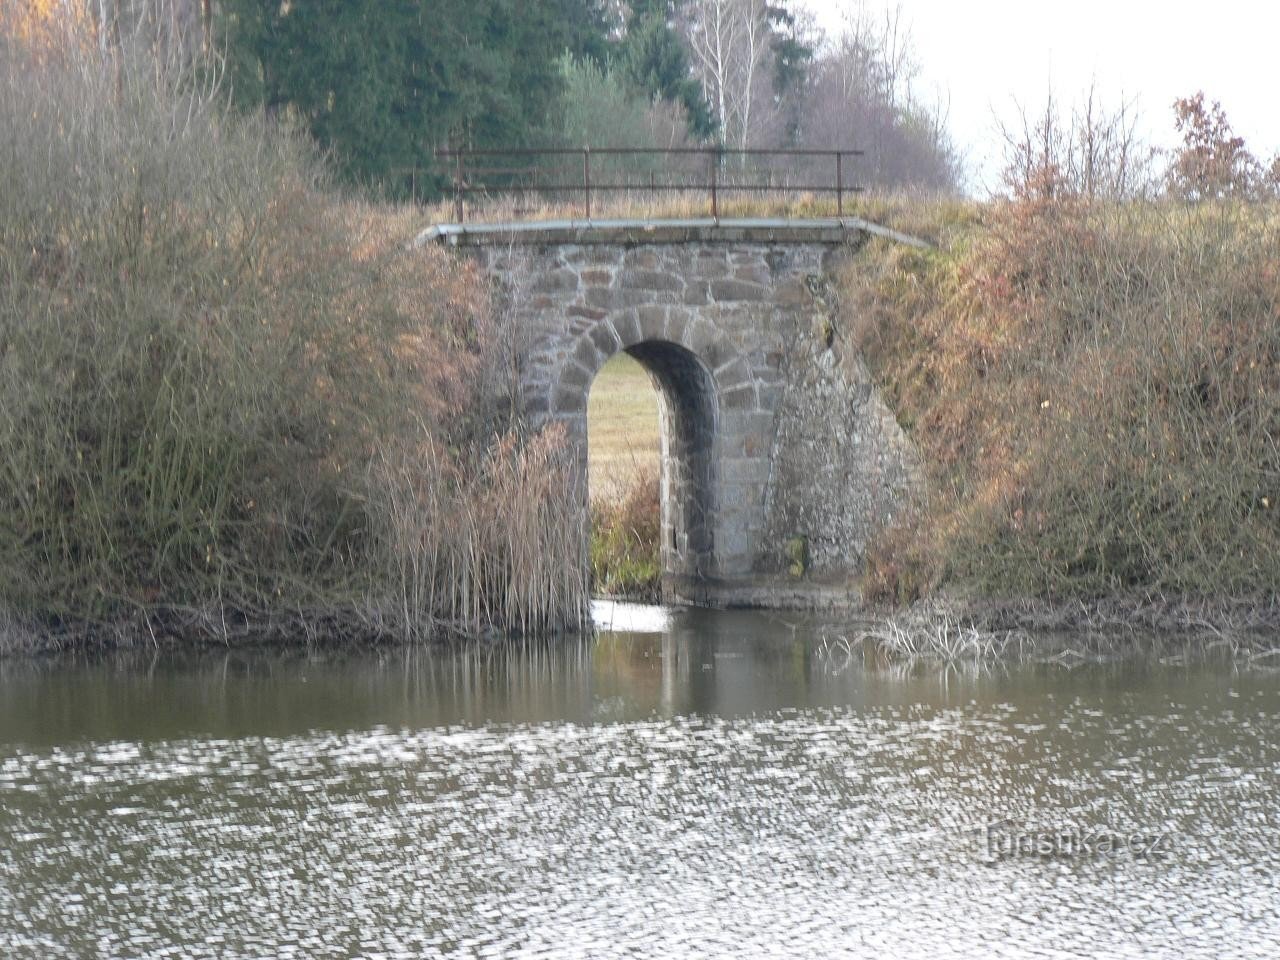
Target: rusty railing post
(586,177)
(839,183)
(714,154)
(458,188)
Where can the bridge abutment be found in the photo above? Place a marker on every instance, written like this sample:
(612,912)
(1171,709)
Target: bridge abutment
(779,461)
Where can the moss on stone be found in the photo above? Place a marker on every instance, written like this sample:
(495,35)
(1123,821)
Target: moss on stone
(797,551)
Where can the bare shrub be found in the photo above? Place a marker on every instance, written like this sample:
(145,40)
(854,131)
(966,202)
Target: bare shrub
(1094,387)
(863,92)
(1093,152)
(202,352)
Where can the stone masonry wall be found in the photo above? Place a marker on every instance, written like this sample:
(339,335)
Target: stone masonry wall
(777,458)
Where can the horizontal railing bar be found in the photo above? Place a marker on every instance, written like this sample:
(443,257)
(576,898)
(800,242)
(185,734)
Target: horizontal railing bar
(540,172)
(731,171)
(646,188)
(650,151)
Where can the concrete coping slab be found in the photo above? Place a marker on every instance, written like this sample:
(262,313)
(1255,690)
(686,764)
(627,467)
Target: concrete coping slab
(823,230)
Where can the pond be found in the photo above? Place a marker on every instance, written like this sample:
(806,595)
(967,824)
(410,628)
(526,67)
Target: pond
(685,783)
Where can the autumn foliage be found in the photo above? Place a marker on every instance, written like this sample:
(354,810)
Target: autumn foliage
(227,393)
(1096,390)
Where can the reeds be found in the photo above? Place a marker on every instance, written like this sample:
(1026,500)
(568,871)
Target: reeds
(936,634)
(948,630)
(500,548)
(230,397)
(625,534)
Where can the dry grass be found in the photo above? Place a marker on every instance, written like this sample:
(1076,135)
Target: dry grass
(936,634)
(622,417)
(926,215)
(228,396)
(622,414)
(625,556)
(950,631)
(1096,390)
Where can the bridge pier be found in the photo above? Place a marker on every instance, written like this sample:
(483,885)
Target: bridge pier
(779,461)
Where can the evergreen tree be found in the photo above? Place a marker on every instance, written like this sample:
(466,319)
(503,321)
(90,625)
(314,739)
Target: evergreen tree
(655,61)
(381,83)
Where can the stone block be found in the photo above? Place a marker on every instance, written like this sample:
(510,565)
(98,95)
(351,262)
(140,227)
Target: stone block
(700,334)
(643,258)
(696,293)
(627,327)
(711,266)
(553,281)
(594,254)
(770,397)
(734,373)
(739,398)
(653,322)
(575,375)
(588,356)
(753,273)
(597,277)
(569,400)
(536,403)
(744,471)
(724,291)
(793,292)
(718,352)
(650,280)
(610,299)
(678,325)
(605,339)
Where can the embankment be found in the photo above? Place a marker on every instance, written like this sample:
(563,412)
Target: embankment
(1095,392)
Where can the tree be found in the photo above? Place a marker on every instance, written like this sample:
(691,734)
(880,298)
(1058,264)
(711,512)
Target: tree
(1212,162)
(861,93)
(654,60)
(601,109)
(380,83)
(1094,153)
(731,45)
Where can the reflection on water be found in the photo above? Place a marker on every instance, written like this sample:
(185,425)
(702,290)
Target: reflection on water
(687,783)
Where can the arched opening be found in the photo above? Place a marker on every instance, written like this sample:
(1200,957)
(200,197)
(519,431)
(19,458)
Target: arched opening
(651,416)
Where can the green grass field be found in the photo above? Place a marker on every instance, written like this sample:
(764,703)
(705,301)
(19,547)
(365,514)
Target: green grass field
(622,417)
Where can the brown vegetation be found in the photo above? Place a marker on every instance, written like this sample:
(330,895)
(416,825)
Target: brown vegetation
(1096,390)
(624,543)
(226,393)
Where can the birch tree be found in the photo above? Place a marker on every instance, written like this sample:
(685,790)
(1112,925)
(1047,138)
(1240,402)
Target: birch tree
(731,46)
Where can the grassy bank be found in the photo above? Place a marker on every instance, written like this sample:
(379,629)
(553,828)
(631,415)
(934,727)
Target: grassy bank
(624,446)
(622,415)
(229,397)
(625,531)
(1095,389)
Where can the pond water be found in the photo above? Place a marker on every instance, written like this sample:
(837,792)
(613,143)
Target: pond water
(686,783)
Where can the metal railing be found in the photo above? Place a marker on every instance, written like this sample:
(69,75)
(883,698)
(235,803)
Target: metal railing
(580,173)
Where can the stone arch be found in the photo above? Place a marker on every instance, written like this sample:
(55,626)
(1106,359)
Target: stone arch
(696,372)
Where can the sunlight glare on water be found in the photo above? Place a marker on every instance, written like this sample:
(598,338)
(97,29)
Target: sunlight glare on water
(705,785)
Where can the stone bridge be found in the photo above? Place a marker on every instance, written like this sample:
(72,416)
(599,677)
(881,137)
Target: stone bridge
(779,460)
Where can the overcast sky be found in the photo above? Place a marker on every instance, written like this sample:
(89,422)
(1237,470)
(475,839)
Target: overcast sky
(979,55)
